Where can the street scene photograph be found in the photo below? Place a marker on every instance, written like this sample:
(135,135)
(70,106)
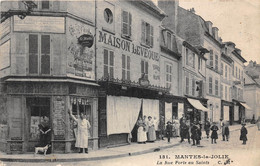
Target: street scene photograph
(130,83)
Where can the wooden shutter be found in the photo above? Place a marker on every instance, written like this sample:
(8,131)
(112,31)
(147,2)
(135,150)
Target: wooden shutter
(123,67)
(125,23)
(45,54)
(33,54)
(128,67)
(148,32)
(111,70)
(143,32)
(151,36)
(130,25)
(146,67)
(105,63)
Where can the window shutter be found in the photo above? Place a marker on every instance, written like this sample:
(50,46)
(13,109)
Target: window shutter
(123,61)
(147,35)
(130,25)
(151,34)
(33,54)
(125,20)
(142,67)
(111,71)
(143,32)
(146,67)
(105,57)
(45,54)
(128,62)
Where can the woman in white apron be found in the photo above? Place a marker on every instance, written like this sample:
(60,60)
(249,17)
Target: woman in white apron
(141,133)
(82,132)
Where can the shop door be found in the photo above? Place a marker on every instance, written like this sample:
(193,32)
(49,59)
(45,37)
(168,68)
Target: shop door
(37,110)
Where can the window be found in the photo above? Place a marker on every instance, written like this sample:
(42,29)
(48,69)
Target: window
(233,72)
(45,5)
(147,34)
(187,56)
(199,63)
(125,67)
(108,15)
(221,91)
(211,58)
(229,72)
(210,85)
(108,64)
(144,67)
(239,74)
(216,87)
(236,72)
(187,85)
(190,58)
(226,71)
(169,40)
(168,75)
(222,68)
(193,87)
(126,24)
(216,62)
(225,92)
(39,54)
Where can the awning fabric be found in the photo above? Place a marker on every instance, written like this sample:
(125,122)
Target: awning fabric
(197,104)
(246,106)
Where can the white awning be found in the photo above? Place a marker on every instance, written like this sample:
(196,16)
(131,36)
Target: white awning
(246,106)
(197,104)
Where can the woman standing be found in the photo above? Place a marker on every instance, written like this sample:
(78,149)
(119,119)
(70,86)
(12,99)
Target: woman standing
(141,133)
(151,130)
(82,133)
(214,134)
(45,133)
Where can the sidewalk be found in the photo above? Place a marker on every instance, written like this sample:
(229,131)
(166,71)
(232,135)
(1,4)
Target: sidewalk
(101,154)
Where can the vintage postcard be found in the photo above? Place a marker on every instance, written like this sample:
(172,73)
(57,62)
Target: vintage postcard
(130,82)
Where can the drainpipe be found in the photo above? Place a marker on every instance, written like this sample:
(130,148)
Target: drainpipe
(95,40)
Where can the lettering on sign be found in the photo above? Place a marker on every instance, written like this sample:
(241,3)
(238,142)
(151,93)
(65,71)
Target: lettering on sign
(127,46)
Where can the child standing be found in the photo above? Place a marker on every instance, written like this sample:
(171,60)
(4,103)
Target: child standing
(169,130)
(214,134)
(243,133)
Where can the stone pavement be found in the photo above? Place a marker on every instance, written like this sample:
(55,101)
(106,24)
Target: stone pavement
(104,153)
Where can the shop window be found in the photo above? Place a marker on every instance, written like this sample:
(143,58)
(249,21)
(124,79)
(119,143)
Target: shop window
(147,34)
(210,85)
(216,87)
(125,67)
(39,54)
(144,67)
(108,64)
(126,24)
(168,75)
(108,16)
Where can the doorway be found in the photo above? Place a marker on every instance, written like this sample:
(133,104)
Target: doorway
(37,109)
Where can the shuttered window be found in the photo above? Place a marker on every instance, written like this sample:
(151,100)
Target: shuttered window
(216,87)
(168,75)
(187,85)
(147,34)
(126,23)
(210,85)
(216,62)
(211,58)
(125,67)
(144,67)
(45,54)
(33,54)
(108,63)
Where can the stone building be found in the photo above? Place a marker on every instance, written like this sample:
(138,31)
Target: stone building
(47,66)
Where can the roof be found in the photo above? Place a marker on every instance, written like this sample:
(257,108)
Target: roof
(227,58)
(238,56)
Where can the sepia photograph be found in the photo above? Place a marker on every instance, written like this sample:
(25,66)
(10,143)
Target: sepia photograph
(130,83)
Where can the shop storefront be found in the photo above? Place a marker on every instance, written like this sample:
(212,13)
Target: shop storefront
(29,101)
(227,113)
(120,105)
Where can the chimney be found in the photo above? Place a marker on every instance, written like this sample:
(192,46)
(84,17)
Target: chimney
(215,32)
(192,10)
(209,26)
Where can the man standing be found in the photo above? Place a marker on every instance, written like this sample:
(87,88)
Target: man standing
(207,127)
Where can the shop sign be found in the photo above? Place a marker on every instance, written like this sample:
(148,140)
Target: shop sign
(86,40)
(128,46)
(143,81)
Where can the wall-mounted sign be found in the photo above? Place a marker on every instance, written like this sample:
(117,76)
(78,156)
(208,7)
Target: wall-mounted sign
(39,24)
(143,81)
(127,46)
(86,40)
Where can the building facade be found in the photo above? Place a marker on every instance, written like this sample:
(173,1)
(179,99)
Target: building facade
(47,67)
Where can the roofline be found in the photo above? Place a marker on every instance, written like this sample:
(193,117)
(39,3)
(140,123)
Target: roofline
(239,56)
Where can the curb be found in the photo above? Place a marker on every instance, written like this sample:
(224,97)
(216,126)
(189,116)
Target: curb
(54,159)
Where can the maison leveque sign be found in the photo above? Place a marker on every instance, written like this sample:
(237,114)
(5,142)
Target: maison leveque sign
(127,46)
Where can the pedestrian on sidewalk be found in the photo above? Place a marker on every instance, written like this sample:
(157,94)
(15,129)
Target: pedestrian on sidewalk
(226,131)
(214,133)
(151,131)
(82,132)
(222,129)
(185,134)
(141,133)
(195,134)
(169,131)
(243,133)
(45,133)
(207,127)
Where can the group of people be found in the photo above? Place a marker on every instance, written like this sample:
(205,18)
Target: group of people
(146,129)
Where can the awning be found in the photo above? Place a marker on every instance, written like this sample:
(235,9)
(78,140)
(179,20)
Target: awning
(197,104)
(245,105)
